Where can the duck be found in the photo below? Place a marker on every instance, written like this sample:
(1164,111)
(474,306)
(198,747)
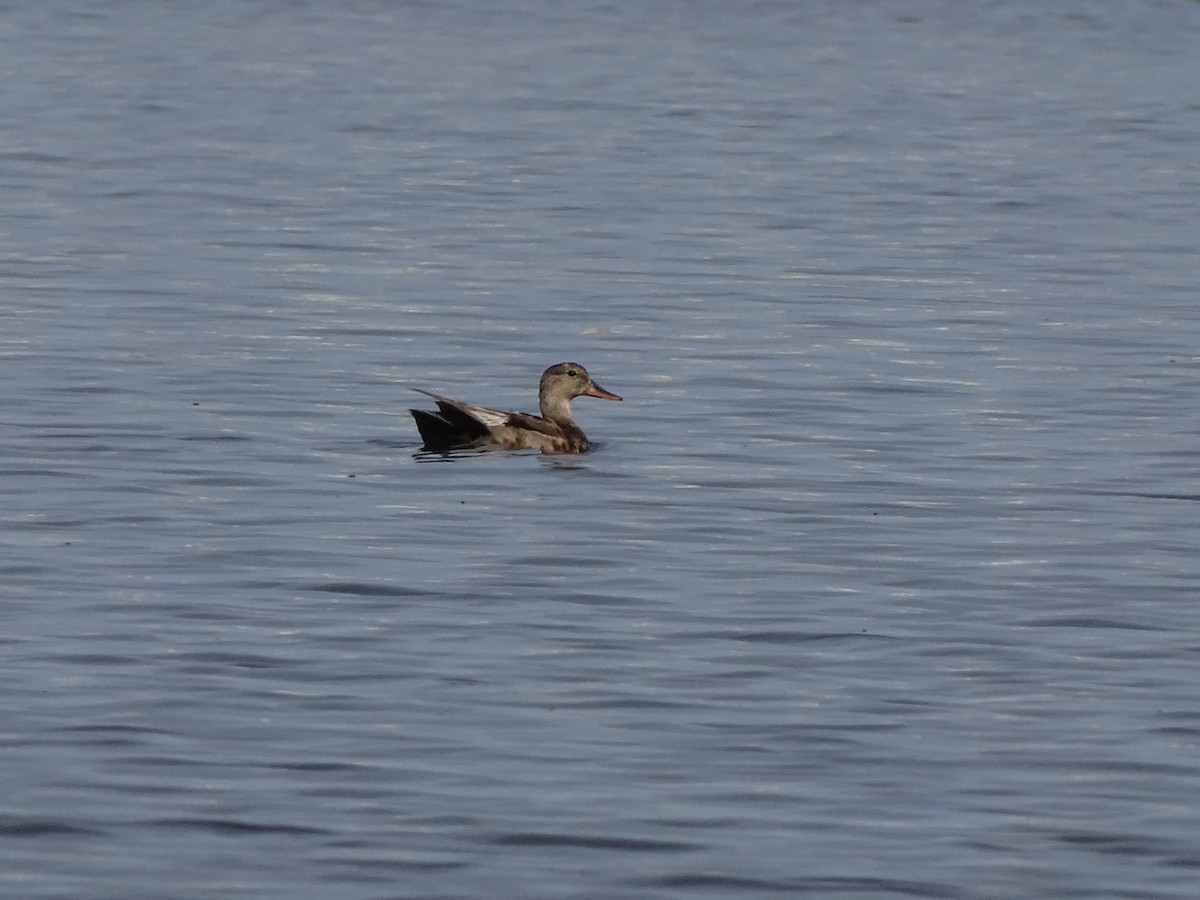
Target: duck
(462,426)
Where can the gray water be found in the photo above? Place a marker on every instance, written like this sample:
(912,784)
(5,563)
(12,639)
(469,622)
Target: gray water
(882,582)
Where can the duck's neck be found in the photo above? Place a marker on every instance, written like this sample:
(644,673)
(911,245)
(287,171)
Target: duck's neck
(555,407)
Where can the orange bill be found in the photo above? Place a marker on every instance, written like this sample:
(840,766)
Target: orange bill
(596,391)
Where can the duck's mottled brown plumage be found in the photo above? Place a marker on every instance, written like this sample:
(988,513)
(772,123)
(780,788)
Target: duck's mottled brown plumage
(457,425)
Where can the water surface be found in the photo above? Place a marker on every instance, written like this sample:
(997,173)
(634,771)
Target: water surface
(880,583)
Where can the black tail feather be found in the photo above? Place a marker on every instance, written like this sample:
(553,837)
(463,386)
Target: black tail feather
(447,429)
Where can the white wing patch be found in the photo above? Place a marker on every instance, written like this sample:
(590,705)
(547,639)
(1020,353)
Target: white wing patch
(489,417)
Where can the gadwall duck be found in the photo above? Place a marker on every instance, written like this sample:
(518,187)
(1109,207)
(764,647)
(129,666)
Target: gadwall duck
(458,425)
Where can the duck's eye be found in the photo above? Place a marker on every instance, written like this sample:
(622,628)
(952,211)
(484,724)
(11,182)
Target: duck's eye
(572,373)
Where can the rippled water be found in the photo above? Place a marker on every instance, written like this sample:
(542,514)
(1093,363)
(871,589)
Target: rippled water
(880,583)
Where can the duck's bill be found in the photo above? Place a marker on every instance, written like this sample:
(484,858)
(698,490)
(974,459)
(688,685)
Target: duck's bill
(596,391)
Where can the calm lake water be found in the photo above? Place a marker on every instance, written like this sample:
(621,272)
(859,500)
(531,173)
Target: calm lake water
(881,583)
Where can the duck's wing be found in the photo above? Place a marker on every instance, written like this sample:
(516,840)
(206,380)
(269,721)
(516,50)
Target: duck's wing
(489,417)
(455,424)
(456,410)
(533,423)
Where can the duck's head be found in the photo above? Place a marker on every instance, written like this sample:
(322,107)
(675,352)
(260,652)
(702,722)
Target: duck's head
(564,382)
